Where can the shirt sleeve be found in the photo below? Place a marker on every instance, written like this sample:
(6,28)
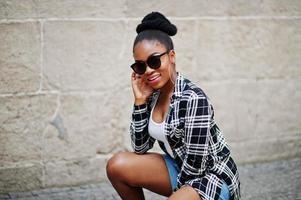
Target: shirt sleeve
(196,131)
(140,139)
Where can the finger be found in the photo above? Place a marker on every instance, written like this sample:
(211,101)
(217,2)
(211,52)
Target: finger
(137,75)
(133,77)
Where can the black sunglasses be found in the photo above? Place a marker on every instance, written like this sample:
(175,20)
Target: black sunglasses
(153,61)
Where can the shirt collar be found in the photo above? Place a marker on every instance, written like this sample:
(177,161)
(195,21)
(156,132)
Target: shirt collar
(179,86)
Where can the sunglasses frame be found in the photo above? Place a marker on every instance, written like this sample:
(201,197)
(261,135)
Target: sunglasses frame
(144,64)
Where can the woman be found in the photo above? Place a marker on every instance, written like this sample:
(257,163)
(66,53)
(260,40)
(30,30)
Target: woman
(174,111)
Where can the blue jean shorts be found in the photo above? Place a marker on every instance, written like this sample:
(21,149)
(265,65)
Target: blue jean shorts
(174,170)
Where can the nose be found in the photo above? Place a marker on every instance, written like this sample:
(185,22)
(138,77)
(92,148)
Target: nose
(148,70)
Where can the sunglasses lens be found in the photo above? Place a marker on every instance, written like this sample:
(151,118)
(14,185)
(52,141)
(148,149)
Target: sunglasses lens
(154,62)
(139,68)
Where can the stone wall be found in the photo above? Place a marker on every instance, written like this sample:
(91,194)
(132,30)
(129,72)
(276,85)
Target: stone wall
(65,94)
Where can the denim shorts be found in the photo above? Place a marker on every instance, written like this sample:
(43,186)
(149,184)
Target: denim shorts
(174,170)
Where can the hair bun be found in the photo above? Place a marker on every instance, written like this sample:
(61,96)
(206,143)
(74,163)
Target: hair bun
(157,21)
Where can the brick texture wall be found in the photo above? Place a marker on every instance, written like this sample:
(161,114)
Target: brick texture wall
(65,94)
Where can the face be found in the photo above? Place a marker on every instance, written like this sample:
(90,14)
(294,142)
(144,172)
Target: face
(156,78)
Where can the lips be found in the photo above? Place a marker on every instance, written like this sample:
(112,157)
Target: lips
(153,80)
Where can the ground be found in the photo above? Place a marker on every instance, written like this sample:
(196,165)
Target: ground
(274,180)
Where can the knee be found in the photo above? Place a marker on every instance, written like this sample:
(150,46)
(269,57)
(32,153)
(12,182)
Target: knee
(116,165)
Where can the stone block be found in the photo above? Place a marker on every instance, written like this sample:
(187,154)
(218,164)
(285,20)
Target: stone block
(19,57)
(215,8)
(14,9)
(248,49)
(266,149)
(22,122)
(83,55)
(124,56)
(75,172)
(82,9)
(20,176)
(185,44)
(246,110)
(86,125)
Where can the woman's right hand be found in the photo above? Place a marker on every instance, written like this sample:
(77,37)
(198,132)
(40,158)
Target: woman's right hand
(140,88)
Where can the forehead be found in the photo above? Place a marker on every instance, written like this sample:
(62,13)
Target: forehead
(145,48)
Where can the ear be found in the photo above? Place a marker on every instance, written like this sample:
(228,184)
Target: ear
(172,56)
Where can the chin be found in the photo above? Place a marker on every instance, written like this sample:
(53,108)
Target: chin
(158,86)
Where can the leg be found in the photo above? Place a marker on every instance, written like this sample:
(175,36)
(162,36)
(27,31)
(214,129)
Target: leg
(130,172)
(186,192)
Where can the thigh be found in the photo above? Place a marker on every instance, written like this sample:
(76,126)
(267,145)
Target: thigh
(144,170)
(186,192)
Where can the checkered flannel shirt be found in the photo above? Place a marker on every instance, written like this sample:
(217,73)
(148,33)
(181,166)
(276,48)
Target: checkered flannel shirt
(198,146)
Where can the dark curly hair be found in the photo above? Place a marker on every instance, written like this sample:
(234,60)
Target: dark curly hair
(155,26)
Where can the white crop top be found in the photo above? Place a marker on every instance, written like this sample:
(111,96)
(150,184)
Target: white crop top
(156,130)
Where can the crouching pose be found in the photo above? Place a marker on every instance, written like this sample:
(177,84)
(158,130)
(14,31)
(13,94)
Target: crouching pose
(196,163)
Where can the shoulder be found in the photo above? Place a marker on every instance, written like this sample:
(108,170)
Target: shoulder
(191,91)
(194,99)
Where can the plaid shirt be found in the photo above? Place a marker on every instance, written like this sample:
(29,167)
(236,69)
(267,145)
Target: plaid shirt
(198,146)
